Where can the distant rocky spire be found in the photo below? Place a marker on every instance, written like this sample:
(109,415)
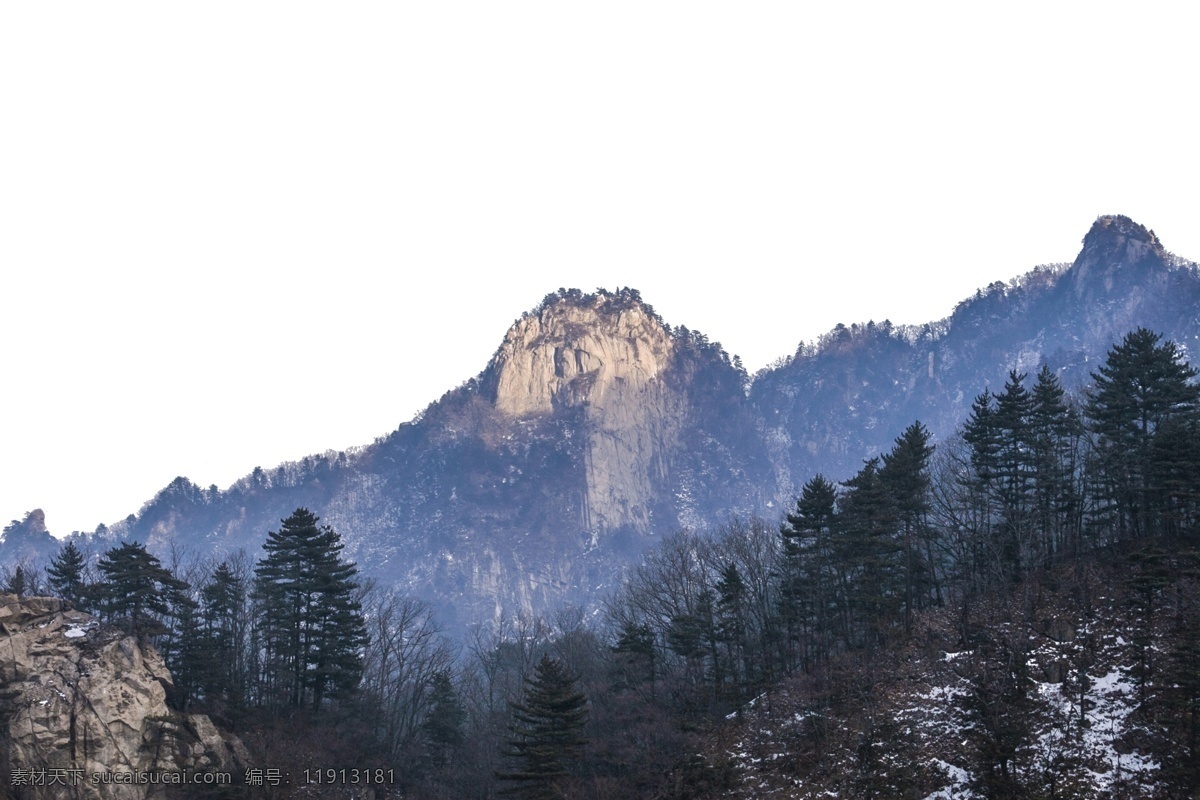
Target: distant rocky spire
(28,538)
(34,525)
(604,354)
(1115,244)
(1116,239)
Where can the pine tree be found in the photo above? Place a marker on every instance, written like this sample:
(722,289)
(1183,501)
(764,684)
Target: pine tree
(313,627)
(1142,386)
(807,584)
(731,621)
(870,554)
(980,432)
(443,726)
(1055,430)
(1175,474)
(905,474)
(65,574)
(1014,474)
(222,622)
(137,590)
(547,732)
(16,582)
(187,655)
(634,655)
(982,435)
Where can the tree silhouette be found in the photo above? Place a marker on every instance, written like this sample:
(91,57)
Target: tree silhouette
(137,589)
(547,732)
(65,574)
(312,626)
(1142,387)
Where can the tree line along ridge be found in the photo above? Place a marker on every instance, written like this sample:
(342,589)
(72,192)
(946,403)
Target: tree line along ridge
(1036,482)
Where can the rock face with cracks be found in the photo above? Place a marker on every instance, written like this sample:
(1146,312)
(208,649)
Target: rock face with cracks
(79,699)
(610,363)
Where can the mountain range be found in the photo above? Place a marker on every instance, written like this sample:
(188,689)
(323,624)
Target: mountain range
(597,427)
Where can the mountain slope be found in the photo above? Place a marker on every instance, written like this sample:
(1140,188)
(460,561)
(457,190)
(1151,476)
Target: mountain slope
(1064,687)
(594,427)
(597,427)
(845,398)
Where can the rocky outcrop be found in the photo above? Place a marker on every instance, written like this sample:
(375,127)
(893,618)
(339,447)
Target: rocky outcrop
(27,540)
(86,703)
(606,356)
(1115,243)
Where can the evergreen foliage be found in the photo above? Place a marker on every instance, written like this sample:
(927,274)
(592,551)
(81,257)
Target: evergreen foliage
(16,581)
(1143,387)
(981,432)
(905,474)
(312,626)
(187,654)
(66,574)
(872,555)
(137,590)
(222,625)
(1014,475)
(443,727)
(547,732)
(807,579)
(1055,431)
(634,655)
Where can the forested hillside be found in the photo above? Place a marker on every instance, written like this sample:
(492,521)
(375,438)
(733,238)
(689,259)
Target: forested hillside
(597,429)
(1011,612)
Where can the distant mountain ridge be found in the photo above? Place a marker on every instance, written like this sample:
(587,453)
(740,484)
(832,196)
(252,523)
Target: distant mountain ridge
(597,427)
(843,399)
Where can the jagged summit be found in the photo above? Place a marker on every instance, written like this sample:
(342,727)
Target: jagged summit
(28,538)
(579,349)
(1119,225)
(603,355)
(1118,241)
(34,523)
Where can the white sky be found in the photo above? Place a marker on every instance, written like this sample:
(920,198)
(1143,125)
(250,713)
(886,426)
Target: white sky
(233,234)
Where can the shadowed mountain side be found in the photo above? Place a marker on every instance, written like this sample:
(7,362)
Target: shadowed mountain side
(844,398)
(597,428)
(594,428)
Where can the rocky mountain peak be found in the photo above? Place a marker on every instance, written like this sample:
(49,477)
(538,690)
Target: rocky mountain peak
(603,354)
(28,538)
(1116,241)
(578,349)
(34,523)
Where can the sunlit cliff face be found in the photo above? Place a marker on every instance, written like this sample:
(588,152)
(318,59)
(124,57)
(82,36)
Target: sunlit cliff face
(608,359)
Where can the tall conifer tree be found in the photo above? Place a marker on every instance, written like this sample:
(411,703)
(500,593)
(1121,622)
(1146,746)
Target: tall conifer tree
(65,573)
(905,473)
(313,627)
(1014,474)
(137,589)
(809,583)
(547,732)
(1055,429)
(1143,385)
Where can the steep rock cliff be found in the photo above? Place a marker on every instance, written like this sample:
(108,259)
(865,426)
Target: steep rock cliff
(594,428)
(606,356)
(80,699)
